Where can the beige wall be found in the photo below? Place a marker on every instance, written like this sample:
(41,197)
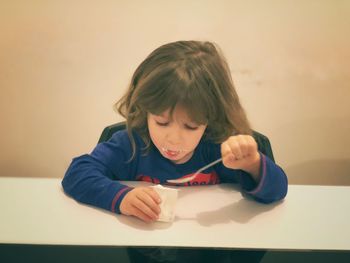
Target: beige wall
(64,63)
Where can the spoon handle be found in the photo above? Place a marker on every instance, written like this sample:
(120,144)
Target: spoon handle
(187,179)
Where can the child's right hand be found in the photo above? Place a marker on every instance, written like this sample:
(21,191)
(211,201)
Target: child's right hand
(142,202)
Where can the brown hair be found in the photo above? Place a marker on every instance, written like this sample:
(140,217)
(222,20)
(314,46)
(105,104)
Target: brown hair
(192,74)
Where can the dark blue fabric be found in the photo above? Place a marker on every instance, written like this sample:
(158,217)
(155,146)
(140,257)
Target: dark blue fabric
(94,178)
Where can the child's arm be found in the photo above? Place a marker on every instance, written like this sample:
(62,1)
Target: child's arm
(89,181)
(93,179)
(260,176)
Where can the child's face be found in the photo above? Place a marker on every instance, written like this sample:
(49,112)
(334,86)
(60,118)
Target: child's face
(176,136)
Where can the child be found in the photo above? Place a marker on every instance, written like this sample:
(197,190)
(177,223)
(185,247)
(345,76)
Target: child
(182,112)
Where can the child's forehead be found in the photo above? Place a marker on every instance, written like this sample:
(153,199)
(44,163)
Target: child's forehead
(173,112)
(177,113)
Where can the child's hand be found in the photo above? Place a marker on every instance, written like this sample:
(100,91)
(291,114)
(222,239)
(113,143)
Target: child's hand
(241,152)
(142,202)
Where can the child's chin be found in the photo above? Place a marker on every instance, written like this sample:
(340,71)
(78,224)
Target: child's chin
(174,159)
(179,160)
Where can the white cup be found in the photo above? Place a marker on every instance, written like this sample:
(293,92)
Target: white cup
(168,198)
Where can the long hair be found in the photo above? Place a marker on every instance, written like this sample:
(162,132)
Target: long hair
(192,74)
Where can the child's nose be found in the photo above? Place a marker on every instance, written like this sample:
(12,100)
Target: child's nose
(174,137)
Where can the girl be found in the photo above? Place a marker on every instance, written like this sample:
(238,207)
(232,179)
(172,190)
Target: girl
(182,112)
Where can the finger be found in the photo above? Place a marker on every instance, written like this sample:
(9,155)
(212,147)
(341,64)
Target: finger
(243,145)
(147,199)
(226,152)
(154,195)
(141,215)
(225,149)
(235,148)
(138,203)
(228,158)
(252,145)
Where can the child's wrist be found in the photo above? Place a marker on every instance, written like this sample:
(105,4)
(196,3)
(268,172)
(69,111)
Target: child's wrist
(253,168)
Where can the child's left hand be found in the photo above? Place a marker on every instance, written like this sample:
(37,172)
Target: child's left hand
(241,152)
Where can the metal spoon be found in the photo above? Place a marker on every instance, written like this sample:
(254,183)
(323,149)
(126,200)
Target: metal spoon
(187,179)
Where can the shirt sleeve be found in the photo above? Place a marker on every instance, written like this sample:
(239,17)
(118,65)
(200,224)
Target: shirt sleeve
(93,178)
(273,184)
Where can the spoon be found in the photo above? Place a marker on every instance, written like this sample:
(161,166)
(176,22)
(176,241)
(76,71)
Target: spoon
(187,179)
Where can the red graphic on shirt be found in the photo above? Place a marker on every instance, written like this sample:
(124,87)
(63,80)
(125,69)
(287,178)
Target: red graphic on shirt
(200,179)
(147,178)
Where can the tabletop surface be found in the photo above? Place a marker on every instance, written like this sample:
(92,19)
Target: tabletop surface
(36,211)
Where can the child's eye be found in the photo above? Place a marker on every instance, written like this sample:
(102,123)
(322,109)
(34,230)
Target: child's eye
(161,123)
(192,128)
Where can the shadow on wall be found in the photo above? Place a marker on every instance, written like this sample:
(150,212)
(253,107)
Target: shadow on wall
(320,172)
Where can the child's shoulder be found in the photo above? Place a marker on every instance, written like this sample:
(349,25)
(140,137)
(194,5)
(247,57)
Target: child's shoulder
(119,135)
(122,138)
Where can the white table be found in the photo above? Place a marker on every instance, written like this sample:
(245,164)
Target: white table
(36,211)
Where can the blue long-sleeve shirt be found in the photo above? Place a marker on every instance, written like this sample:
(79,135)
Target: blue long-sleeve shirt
(94,178)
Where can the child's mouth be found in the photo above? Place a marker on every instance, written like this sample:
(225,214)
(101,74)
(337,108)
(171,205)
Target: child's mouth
(171,153)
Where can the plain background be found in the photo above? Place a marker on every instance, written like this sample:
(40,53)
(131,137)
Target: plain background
(63,64)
